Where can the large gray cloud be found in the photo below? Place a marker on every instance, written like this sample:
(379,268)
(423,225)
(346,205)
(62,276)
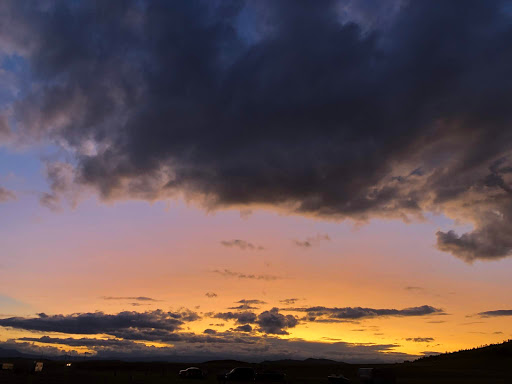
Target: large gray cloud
(269,322)
(280,103)
(240,317)
(273,322)
(99,322)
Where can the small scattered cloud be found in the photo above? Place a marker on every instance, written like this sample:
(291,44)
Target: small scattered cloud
(243,328)
(242,244)
(289,301)
(5,130)
(312,241)
(420,339)
(210,295)
(243,307)
(63,188)
(496,313)
(229,273)
(210,331)
(6,195)
(248,304)
(414,289)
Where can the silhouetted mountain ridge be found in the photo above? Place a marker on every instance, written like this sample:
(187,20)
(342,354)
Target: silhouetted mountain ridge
(494,351)
(309,361)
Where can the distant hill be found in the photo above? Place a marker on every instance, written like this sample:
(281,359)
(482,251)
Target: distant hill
(309,361)
(493,352)
(12,353)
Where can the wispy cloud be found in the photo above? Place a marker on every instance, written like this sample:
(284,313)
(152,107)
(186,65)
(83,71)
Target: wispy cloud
(327,314)
(242,244)
(414,288)
(311,241)
(133,298)
(229,273)
(247,304)
(210,295)
(6,195)
(496,313)
(420,339)
(289,301)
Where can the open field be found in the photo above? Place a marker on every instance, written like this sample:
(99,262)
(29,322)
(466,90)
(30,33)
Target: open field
(448,370)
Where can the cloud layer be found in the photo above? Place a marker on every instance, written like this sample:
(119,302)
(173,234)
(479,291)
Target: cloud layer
(301,107)
(132,335)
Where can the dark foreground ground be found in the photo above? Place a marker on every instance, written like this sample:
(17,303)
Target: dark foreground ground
(490,365)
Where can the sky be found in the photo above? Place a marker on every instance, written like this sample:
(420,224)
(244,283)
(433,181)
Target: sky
(194,180)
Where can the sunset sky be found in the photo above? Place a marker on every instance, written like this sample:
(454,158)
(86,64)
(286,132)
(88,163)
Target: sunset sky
(255,179)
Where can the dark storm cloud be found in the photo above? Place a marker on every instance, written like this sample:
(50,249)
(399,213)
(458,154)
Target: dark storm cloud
(6,195)
(229,273)
(420,339)
(99,322)
(273,322)
(242,244)
(402,112)
(355,313)
(497,313)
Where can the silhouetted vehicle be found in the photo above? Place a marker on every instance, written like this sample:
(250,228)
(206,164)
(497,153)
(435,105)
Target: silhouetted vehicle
(338,379)
(376,376)
(270,376)
(240,374)
(192,373)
